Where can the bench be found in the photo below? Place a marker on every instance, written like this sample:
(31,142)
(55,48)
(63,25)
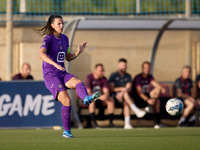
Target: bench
(147,120)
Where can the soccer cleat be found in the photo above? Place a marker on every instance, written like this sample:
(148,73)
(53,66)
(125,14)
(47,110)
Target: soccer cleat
(111,125)
(91,98)
(182,124)
(128,126)
(191,123)
(140,113)
(156,126)
(149,109)
(67,134)
(96,126)
(160,125)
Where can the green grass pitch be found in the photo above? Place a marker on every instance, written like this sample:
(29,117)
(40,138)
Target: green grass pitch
(96,139)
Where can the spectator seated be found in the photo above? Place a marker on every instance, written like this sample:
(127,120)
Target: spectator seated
(84,115)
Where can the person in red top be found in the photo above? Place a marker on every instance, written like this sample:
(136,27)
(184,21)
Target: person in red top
(98,82)
(144,98)
(183,90)
(25,73)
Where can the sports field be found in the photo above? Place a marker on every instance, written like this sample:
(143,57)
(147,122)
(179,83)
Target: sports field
(94,139)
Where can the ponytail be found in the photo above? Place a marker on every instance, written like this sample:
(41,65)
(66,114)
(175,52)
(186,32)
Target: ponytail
(47,29)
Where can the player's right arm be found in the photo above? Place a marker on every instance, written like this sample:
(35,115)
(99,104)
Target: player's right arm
(150,101)
(88,85)
(114,89)
(140,94)
(179,91)
(44,57)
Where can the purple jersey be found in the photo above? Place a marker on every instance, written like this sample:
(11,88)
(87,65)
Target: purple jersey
(139,80)
(56,51)
(95,84)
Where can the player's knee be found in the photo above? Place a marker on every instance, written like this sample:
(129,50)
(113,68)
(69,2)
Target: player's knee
(79,81)
(126,95)
(190,105)
(66,102)
(111,99)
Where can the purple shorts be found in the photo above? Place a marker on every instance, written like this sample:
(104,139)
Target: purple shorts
(55,82)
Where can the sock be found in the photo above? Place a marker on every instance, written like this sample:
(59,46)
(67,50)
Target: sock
(101,113)
(127,119)
(192,118)
(157,118)
(182,119)
(93,118)
(66,117)
(111,116)
(135,108)
(81,90)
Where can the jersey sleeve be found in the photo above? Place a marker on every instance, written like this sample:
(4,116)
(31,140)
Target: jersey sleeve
(16,77)
(88,83)
(198,78)
(151,78)
(129,78)
(67,43)
(105,83)
(191,85)
(68,50)
(177,84)
(136,81)
(111,78)
(46,42)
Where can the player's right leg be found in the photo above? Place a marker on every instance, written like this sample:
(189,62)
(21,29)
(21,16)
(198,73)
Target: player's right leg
(127,116)
(188,107)
(63,97)
(139,113)
(110,102)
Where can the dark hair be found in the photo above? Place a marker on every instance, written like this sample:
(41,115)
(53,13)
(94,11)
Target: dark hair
(47,29)
(122,60)
(98,65)
(146,62)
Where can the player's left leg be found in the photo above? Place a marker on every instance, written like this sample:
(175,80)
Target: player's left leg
(91,109)
(155,93)
(63,97)
(191,120)
(127,116)
(110,108)
(197,103)
(157,117)
(82,91)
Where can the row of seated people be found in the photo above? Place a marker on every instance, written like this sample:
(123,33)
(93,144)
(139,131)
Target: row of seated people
(120,89)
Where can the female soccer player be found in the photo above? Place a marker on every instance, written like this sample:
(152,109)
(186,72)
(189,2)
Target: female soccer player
(53,52)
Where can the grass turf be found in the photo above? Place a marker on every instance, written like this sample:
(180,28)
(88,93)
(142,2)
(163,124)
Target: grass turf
(86,139)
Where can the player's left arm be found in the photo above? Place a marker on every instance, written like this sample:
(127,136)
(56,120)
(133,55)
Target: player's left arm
(157,85)
(192,90)
(198,84)
(129,87)
(192,93)
(81,48)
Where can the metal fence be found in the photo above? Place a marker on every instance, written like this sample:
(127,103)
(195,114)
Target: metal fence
(30,10)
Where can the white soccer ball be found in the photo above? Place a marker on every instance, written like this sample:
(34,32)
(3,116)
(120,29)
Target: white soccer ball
(174,106)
